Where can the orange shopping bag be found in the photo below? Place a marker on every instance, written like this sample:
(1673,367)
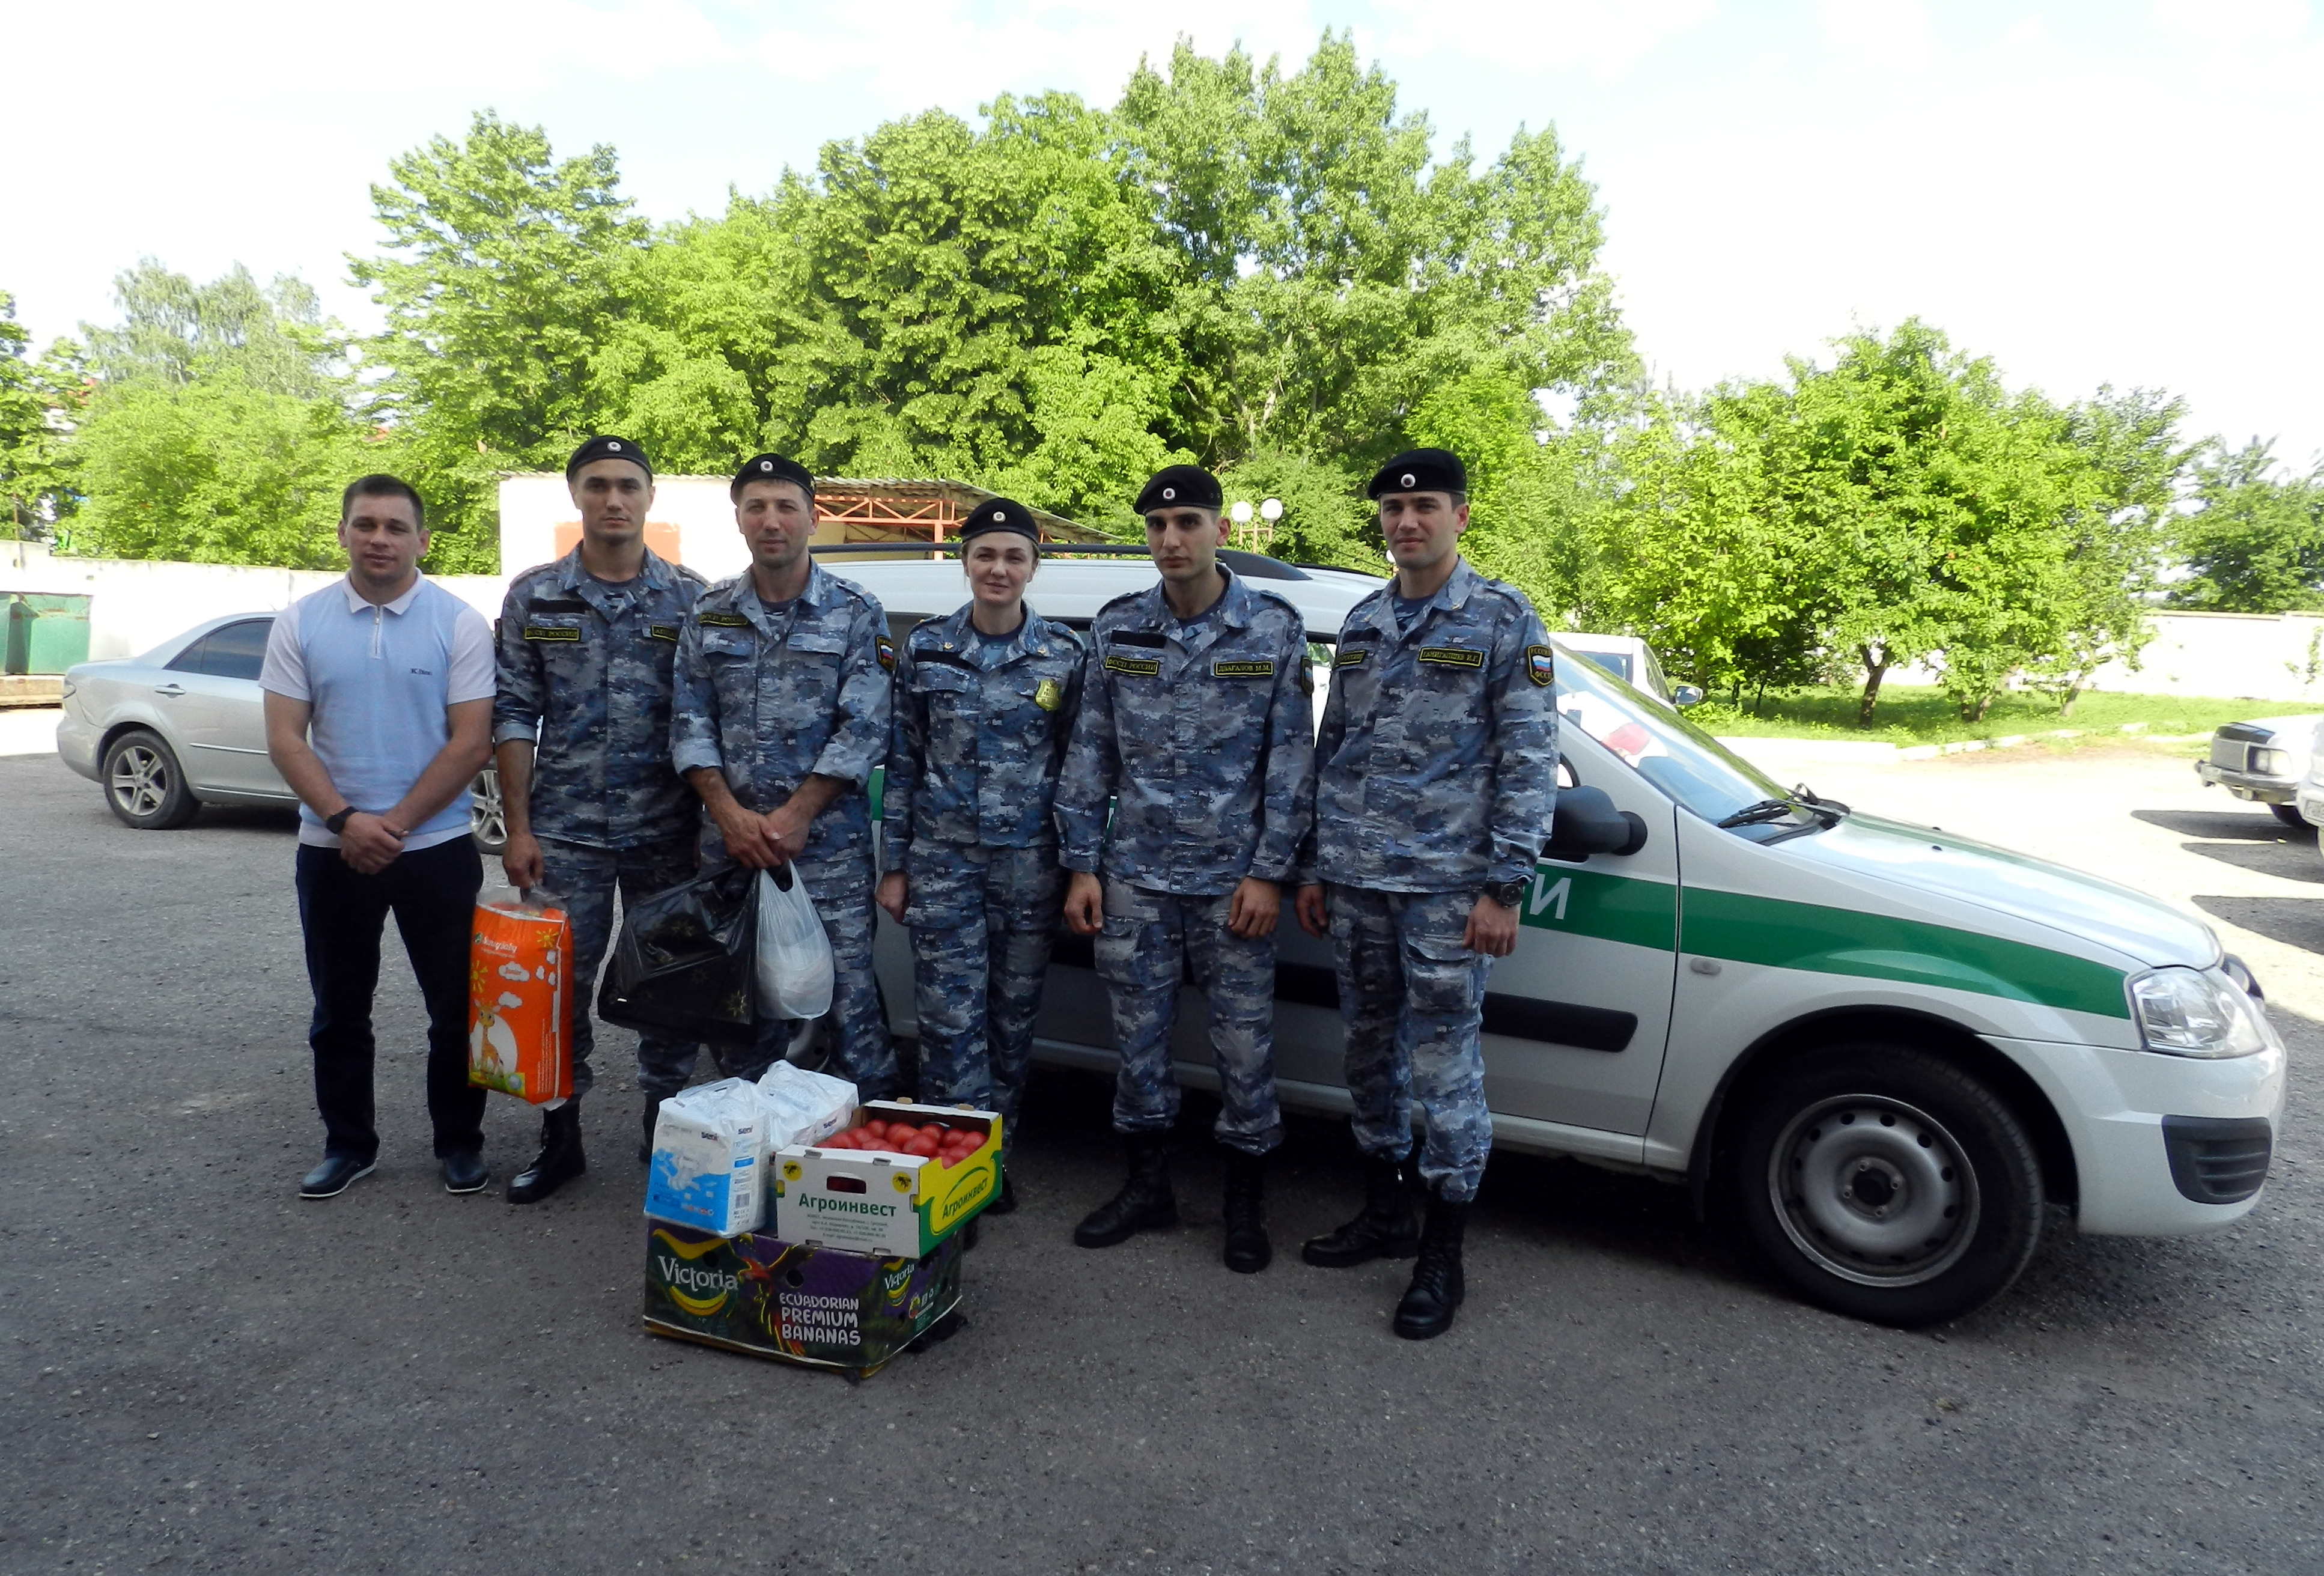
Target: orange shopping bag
(517,1001)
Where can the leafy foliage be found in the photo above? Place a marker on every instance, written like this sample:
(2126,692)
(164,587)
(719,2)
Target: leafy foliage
(2256,540)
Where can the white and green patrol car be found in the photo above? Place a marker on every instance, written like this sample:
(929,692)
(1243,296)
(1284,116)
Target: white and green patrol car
(1882,1048)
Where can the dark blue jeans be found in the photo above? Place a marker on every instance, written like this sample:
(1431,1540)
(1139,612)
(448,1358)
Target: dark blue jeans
(433,896)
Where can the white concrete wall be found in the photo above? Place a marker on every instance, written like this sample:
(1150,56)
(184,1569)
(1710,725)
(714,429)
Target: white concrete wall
(140,603)
(2238,655)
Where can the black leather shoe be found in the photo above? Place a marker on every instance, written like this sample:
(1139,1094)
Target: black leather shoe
(465,1172)
(1006,1204)
(1383,1229)
(560,1161)
(333,1177)
(1247,1250)
(1145,1202)
(1437,1288)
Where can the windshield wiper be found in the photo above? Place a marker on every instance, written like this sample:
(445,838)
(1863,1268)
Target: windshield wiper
(1829,812)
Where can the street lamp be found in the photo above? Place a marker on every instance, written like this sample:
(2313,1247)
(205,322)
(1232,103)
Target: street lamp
(1272,510)
(1240,512)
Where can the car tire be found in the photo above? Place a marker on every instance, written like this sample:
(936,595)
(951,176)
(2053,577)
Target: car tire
(144,785)
(487,815)
(1885,1183)
(2290,815)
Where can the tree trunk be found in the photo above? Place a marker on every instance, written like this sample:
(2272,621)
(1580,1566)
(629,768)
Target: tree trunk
(1874,670)
(1984,704)
(2066,701)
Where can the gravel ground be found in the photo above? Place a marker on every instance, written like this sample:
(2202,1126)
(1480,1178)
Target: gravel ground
(205,1374)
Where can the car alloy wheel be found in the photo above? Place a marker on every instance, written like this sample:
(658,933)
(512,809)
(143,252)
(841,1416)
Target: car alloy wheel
(488,815)
(145,787)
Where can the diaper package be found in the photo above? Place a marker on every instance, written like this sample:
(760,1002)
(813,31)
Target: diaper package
(709,1159)
(803,1107)
(517,1002)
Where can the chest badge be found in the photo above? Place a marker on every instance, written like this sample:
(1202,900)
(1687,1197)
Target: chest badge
(1049,695)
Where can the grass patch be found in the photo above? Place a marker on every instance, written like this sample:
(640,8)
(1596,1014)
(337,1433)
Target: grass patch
(1922,715)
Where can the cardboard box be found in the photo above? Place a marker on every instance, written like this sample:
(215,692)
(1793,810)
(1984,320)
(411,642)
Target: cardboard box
(869,1202)
(820,1307)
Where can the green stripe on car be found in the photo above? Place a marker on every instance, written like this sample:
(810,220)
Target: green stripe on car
(1778,934)
(1580,902)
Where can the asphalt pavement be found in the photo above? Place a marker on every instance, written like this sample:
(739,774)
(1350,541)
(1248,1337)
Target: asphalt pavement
(203,1373)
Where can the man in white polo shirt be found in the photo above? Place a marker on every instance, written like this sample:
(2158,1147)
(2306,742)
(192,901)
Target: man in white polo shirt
(378,713)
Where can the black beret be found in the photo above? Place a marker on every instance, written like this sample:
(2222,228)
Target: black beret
(1179,487)
(771,467)
(1421,470)
(1000,514)
(602,447)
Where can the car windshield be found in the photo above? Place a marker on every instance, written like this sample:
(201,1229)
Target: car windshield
(1670,752)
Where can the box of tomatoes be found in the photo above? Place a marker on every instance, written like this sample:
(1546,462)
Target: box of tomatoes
(899,1179)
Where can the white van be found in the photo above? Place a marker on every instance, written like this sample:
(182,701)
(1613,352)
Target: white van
(1883,1049)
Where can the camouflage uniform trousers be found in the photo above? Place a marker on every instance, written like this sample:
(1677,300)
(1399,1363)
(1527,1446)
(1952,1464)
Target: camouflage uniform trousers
(586,878)
(982,920)
(1412,997)
(841,882)
(1152,941)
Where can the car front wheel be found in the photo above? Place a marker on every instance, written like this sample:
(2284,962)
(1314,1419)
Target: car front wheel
(144,785)
(1888,1185)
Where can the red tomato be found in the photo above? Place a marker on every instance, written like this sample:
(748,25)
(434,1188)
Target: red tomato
(839,1141)
(876,1127)
(924,1147)
(901,1132)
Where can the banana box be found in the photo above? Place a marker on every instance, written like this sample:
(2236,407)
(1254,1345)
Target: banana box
(872,1201)
(517,1010)
(795,1302)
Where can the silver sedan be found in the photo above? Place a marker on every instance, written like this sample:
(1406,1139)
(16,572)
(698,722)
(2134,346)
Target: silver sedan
(184,726)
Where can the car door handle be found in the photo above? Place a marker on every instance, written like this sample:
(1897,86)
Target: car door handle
(168,689)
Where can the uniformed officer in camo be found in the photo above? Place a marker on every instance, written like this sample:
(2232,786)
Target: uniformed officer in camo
(984,702)
(581,730)
(1436,781)
(781,713)
(1196,723)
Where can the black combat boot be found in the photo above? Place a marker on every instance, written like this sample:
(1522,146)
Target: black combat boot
(1436,1289)
(560,1160)
(645,1143)
(1248,1250)
(1006,1204)
(1145,1202)
(1383,1229)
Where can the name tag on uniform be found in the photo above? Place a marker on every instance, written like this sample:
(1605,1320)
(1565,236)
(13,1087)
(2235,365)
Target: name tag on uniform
(1452,656)
(721,620)
(552,632)
(1243,669)
(1136,667)
(661,631)
(1355,658)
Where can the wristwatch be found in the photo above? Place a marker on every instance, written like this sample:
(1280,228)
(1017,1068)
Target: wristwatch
(338,823)
(1507,894)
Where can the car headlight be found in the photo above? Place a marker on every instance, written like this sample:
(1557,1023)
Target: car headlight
(2198,1012)
(2272,763)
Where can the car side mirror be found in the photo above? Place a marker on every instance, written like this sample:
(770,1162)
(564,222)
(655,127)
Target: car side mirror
(1687,695)
(1585,822)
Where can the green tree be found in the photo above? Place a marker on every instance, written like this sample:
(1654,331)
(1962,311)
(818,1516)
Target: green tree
(2255,539)
(502,288)
(36,400)
(171,330)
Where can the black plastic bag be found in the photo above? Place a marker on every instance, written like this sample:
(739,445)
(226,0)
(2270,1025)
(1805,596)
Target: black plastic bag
(683,964)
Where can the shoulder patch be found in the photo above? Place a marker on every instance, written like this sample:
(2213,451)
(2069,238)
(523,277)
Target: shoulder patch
(1541,664)
(887,650)
(1451,657)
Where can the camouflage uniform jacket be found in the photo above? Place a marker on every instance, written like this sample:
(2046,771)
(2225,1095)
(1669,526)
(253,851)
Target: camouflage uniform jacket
(1206,747)
(768,700)
(979,736)
(586,671)
(1436,764)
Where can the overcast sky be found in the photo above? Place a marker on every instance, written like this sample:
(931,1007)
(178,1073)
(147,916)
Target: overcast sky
(2116,192)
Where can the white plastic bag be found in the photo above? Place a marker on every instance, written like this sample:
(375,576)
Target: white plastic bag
(794,965)
(803,1107)
(709,1155)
